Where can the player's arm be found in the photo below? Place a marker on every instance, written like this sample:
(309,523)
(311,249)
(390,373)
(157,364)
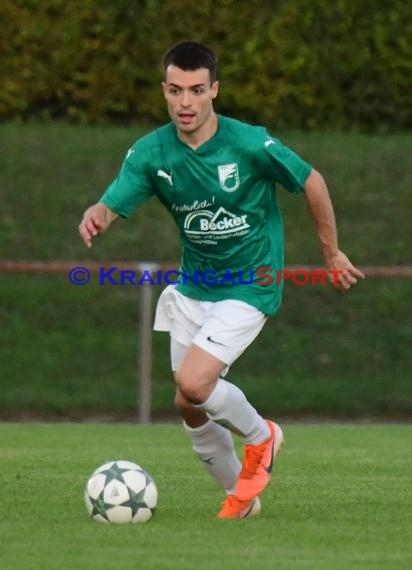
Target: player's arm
(321,209)
(96,220)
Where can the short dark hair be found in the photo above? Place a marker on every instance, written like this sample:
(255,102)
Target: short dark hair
(190,56)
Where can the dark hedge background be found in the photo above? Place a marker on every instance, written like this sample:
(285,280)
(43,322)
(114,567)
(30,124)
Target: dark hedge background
(295,63)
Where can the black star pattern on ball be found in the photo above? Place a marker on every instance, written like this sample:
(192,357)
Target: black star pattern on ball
(99,507)
(114,472)
(136,501)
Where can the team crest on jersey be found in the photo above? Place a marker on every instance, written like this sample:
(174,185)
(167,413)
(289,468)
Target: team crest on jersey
(229,176)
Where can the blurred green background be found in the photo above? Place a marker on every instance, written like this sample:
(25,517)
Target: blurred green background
(80,82)
(288,63)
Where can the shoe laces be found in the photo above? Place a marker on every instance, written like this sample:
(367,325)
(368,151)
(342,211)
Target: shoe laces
(252,460)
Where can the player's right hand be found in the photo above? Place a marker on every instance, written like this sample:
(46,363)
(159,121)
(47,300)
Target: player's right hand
(94,222)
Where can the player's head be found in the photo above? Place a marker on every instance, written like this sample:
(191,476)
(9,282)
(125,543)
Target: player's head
(190,85)
(191,56)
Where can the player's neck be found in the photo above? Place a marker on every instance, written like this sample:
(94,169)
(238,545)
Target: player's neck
(201,135)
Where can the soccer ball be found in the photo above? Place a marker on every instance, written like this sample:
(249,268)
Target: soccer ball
(120,492)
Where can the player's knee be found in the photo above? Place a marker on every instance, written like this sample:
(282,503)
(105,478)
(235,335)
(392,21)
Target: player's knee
(181,403)
(189,388)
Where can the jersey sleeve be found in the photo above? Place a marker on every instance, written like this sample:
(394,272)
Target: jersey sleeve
(281,164)
(131,188)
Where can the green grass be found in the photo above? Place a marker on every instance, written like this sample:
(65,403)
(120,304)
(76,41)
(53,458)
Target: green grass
(339,500)
(52,172)
(72,350)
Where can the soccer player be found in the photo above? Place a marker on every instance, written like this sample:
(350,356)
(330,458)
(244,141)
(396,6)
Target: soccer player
(217,177)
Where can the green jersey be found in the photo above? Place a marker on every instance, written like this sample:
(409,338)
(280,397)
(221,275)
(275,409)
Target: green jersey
(222,197)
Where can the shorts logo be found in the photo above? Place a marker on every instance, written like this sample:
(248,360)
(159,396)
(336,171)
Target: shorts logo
(219,224)
(229,177)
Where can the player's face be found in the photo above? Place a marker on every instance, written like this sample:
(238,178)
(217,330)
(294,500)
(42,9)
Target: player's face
(189,96)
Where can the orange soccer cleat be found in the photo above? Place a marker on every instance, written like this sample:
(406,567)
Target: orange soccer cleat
(232,508)
(258,464)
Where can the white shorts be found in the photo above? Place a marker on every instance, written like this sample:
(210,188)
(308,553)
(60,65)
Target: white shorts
(223,328)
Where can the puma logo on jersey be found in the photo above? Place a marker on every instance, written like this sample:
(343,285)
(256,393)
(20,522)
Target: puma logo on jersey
(269,142)
(164,174)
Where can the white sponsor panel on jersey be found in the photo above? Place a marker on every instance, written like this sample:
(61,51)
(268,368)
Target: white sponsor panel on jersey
(222,223)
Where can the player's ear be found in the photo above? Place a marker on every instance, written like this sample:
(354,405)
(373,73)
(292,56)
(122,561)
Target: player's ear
(215,89)
(164,88)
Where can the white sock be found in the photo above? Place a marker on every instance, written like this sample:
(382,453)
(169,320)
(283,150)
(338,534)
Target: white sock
(228,406)
(213,444)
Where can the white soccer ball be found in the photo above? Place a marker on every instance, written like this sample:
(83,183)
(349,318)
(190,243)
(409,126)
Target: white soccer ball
(120,492)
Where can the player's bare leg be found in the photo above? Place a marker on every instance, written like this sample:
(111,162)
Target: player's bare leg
(198,380)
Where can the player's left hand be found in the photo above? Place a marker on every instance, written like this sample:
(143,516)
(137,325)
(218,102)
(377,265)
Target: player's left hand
(346,274)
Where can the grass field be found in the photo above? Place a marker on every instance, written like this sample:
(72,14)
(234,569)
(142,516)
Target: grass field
(340,500)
